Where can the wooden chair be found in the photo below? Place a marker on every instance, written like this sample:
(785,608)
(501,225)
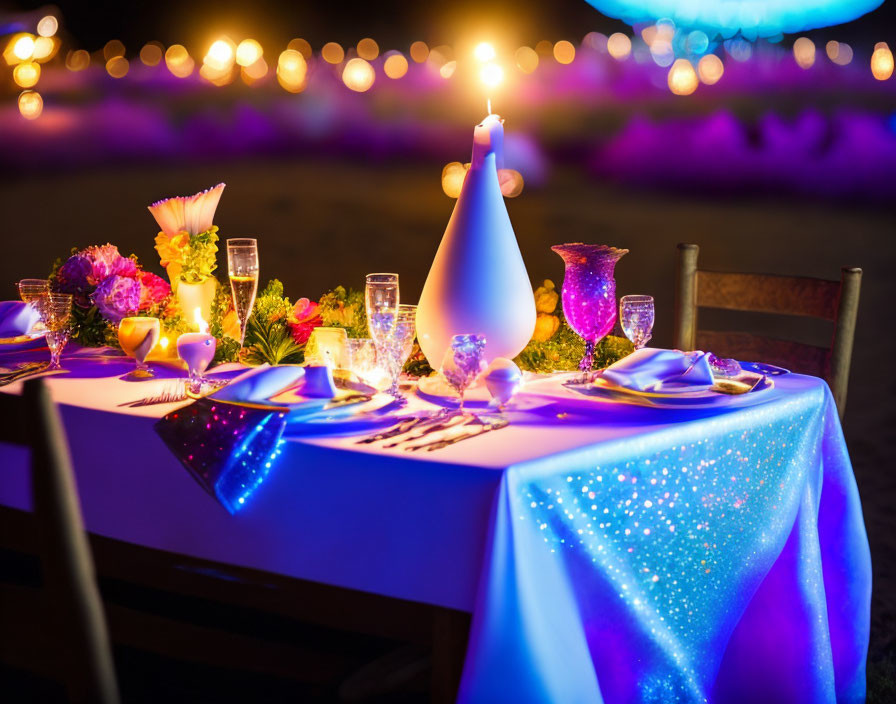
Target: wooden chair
(70,588)
(836,301)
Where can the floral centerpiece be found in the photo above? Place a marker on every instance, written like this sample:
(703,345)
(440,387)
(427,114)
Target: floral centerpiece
(187,246)
(107,287)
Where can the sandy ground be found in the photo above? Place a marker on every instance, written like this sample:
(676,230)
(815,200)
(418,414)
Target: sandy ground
(323,224)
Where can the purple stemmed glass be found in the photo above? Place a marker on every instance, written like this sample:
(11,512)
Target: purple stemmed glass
(589,293)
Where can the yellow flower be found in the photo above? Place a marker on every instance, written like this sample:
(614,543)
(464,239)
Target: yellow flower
(171,248)
(546,297)
(340,315)
(230,325)
(545,327)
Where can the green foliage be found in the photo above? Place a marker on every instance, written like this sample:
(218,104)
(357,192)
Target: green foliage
(270,341)
(564,350)
(341,308)
(271,303)
(90,329)
(200,256)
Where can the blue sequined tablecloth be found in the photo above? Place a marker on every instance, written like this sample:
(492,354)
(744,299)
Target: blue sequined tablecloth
(718,560)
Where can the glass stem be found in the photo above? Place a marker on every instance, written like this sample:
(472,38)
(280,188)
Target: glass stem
(587,360)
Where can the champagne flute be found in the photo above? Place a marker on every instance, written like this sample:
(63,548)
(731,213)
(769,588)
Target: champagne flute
(242,267)
(636,313)
(381,301)
(57,313)
(137,336)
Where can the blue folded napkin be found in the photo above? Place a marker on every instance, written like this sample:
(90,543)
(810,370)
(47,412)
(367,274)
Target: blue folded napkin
(651,369)
(16,318)
(258,385)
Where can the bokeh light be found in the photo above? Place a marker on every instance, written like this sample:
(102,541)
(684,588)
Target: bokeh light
(544,48)
(839,52)
(491,74)
(419,52)
(447,70)
(804,52)
(117,67)
(595,41)
(255,71)
(882,62)
(292,70)
(453,178)
(368,49)
(682,77)
(526,59)
(47,26)
(31,104)
(151,54)
(220,56)
(619,46)
(26,74)
(484,52)
(23,48)
(710,69)
(302,46)
(661,52)
(697,42)
(77,60)
(564,52)
(332,53)
(179,61)
(358,75)
(395,65)
(45,48)
(248,52)
(113,48)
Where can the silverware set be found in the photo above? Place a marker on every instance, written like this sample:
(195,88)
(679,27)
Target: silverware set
(26,370)
(172,392)
(448,427)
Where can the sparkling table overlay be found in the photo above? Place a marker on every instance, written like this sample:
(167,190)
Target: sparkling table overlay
(617,554)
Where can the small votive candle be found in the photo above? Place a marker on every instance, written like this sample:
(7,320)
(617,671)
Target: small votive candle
(327,346)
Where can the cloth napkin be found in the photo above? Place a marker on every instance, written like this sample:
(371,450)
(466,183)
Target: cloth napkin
(258,385)
(650,369)
(16,318)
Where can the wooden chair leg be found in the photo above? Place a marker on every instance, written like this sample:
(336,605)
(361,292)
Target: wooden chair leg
(450,632)
(69,581)
(844,334)
(686,297)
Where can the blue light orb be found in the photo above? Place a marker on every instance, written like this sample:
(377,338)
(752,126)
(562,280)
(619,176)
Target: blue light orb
(753,19)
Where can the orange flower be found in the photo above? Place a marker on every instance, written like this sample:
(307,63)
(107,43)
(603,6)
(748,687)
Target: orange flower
(545,327)
(230,325)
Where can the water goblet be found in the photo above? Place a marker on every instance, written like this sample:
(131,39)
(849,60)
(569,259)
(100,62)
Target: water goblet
(463,362)
(137,336)
(401,344)
(57,313)
(30,290)
(242,268)
(361,353)
(381,302)
(636,313)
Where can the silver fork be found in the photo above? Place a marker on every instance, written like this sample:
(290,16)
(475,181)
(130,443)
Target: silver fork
(486,426)
(172,392)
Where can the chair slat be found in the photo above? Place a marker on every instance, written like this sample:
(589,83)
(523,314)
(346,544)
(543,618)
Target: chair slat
(795,356)
(768,293)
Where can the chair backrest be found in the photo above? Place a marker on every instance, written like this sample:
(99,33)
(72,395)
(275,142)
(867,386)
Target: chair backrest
(835,301)
(69,578)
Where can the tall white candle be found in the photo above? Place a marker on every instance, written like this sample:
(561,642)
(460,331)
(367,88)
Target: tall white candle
(488,139)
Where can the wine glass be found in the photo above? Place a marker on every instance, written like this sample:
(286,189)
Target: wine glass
(361,354)
(242,267)
(30,290)
(463,362)
(56,314)
(401,344)
(137,336)
(637,316)
(381,301)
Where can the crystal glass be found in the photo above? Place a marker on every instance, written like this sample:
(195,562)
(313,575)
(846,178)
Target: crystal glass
(197,350)
(29,291)
(400,344)
(242,268)
(637,316)
(589,293)
(463,362)
(381,301)
(137,336)
(328,346)
(55,311)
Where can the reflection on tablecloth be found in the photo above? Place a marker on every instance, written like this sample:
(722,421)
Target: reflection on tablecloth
(723,560)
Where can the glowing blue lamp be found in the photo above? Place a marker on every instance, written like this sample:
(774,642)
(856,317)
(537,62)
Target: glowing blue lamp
(753,19)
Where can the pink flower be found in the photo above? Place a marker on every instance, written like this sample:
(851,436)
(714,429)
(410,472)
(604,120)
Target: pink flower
(117,297)
(304,318)
(106,261)
(153,289)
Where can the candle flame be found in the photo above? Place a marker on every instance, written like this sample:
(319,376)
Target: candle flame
(164,342)
(200,321)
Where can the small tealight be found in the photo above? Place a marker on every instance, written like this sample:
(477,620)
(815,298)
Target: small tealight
(503,379)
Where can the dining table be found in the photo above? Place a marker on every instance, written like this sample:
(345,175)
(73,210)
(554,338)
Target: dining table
(607,552)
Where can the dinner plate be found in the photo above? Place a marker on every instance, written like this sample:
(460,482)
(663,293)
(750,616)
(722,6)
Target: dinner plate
(703,398)
(343,419)
(763,368)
